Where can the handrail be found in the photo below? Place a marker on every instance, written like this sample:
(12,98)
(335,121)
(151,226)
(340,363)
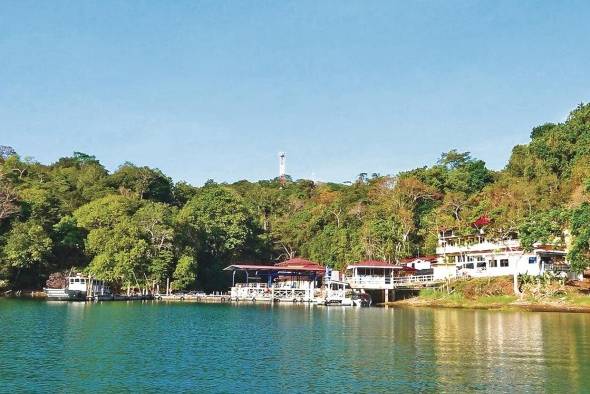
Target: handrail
(388,280)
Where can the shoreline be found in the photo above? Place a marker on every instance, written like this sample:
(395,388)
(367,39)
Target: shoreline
(523,306)
(517,305)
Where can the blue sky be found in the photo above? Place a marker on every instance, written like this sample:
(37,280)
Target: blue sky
(215,89)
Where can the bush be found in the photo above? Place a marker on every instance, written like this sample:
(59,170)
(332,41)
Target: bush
(475,288)
(56,280)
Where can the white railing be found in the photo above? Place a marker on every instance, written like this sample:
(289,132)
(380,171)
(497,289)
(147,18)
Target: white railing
(252,285)
(484,246)
(381,282)
(262,292)
(370,279)
(403,280)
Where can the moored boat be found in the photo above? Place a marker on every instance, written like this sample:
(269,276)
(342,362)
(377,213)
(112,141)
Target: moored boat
(337,292)
(80,288)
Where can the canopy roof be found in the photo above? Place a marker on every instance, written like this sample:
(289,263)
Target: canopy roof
(373,264)
(292,265)
(430,258)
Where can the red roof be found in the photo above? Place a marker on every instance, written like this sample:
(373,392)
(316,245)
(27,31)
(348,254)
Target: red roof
(431,258)
(372,264)
(296,264)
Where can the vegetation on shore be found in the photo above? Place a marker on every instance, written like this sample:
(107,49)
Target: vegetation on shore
(538,293)
(136,226)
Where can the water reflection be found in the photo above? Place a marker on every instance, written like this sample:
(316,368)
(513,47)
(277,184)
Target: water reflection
(288,348)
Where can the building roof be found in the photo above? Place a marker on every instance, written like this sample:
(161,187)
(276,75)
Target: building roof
(373,264)
(298,262)
(292,265)
(430,258)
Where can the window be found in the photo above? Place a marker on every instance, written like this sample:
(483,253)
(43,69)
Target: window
(468,266)
(532,260)
(470,258)
(77,280)
(481,264)
(82,281)
(504,263)
(480,258)
(493,263)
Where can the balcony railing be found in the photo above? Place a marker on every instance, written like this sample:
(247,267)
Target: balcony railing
(387,281)
(477,246)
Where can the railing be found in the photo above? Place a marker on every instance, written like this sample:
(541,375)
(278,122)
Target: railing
(389,282)
(252,285)
(413,279)
(368,279)
(467,247)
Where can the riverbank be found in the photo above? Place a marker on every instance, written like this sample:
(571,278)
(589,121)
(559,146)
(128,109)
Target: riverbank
(498,294)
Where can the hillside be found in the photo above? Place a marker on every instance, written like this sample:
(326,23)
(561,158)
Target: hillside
(135,225)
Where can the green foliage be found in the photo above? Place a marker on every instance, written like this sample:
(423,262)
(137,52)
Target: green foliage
(134,226)
(185,273)
(27,245)
(579,253)
(142,182)
(217,220)
(545,227)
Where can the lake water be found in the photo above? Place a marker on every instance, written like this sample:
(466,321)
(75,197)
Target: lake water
(187,347)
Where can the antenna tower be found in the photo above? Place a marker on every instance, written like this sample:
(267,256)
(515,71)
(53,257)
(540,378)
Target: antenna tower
(282,166)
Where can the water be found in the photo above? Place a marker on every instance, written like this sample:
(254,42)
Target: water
(185,347)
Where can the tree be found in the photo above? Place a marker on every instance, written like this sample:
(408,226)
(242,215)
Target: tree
(218,227)
(217,219)
(185,273)
(143,182)
(105,212)
(579,254)
(183,192)
(8,199)
(6,152)
(27,247)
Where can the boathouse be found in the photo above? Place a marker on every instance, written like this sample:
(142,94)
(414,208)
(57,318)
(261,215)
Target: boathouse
(380,278)
(294,280)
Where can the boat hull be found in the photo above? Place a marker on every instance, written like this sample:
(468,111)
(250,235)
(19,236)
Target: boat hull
(64,295)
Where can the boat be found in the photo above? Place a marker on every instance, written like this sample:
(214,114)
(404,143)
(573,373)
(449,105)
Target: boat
(80,288)
(339,293)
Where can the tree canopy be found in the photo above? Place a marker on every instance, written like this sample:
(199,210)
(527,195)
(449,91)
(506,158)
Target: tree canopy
(134,225)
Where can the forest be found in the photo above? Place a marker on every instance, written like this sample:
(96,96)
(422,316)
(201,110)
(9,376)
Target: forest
(136,226)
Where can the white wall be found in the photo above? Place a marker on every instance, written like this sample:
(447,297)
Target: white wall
(516,261)
(444,271)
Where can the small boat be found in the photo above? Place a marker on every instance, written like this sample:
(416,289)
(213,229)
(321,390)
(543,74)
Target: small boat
(80,288)
(339,293)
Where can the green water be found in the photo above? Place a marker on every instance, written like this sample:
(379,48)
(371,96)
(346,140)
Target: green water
(185,347)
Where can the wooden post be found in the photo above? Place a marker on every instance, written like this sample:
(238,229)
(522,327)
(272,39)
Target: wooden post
(167,286)
(386,295)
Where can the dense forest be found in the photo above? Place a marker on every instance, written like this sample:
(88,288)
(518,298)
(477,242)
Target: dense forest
(136,226)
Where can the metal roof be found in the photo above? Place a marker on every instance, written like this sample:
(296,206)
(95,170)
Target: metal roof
(373,264)
(292,265)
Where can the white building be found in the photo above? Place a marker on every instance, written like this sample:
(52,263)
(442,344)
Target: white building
(430,265)
(476,256)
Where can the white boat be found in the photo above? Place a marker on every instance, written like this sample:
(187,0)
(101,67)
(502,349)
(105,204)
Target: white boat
(80,288)
(336,292)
